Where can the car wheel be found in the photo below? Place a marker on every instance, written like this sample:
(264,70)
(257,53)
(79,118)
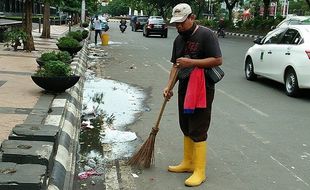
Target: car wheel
(249,70)
(147,34)
(291,83)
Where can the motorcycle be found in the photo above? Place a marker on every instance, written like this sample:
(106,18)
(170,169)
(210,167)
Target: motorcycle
(122,27)
(221,32)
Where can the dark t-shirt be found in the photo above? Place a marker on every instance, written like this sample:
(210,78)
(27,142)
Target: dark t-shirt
(202,44)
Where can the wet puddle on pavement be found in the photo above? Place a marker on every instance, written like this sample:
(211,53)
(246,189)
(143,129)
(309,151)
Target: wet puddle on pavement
(108,107)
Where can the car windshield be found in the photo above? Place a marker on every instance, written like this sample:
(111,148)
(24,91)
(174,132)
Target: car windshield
(156,21)
(142,19)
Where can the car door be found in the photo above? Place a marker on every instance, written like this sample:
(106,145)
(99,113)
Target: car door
(281,54)
(267,53)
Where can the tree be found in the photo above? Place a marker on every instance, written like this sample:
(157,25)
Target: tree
(46,33)
(230,4)
(266,8)
(27,25)
(308,3)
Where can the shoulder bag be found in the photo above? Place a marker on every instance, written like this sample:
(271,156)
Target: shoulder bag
(215,74)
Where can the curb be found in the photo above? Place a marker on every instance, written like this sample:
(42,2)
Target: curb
(62,174)
(242,35)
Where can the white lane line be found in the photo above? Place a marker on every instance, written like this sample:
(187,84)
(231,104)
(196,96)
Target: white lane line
(292,173)
(243,103)
(162,67)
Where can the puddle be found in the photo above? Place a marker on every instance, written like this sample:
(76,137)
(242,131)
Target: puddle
(120,99)
(108,107)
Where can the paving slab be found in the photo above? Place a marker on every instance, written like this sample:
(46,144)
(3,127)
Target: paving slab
(27,152)
(22,177)
(34,132)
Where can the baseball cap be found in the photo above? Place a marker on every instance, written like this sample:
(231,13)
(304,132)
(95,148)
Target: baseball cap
(180,12)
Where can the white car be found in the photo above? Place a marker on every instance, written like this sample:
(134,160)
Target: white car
(282,55)
(294,20)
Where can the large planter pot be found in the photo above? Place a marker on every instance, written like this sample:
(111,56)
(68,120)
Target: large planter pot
(55,84)
(40,62)
(72,51)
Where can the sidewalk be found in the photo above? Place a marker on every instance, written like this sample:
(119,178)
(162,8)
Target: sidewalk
(41,127)
(19,94)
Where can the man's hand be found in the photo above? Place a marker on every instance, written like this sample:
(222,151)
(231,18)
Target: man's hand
(183,62)
(167,93)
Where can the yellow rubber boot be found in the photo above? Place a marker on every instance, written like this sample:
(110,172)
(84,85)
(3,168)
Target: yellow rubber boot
(187,163)
(200,155)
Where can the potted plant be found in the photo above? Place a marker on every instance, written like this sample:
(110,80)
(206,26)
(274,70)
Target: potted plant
(54,56)
(85,34)
(69,44)
(15,37)
(55,76)
(85,24)
(75,35)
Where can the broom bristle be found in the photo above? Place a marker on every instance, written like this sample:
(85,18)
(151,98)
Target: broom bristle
(145,156)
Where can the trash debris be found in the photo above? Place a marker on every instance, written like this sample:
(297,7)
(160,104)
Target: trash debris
(86,124)
(134,175)
(87,174)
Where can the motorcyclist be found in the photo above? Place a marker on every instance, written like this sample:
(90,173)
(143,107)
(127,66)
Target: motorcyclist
(123,23)
(221,26)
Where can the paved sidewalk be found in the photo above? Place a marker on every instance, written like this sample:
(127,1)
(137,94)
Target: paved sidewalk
(18,93)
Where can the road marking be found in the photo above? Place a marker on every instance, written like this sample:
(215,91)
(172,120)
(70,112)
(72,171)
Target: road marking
(292,173)
(162,67)
(243,103)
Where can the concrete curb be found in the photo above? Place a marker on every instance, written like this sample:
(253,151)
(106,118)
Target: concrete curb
(242,35)
(62,175)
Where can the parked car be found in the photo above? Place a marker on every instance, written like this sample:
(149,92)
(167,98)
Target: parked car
(104,25)
(282,55)
(138,22)
(155,25)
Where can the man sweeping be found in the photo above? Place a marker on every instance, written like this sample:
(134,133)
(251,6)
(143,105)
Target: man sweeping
(194,49)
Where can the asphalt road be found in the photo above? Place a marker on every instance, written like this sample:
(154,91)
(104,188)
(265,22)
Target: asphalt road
(258,139)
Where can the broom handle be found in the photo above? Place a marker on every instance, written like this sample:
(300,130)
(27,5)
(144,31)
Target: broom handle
(170,87)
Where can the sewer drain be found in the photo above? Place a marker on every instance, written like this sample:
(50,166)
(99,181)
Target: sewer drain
(22,146)
(8,171)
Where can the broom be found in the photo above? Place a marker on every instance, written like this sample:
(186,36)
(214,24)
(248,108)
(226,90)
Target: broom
(145,156)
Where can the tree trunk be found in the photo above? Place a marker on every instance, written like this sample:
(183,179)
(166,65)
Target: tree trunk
(266,8)
(308,2)
(28,44)
(46,33)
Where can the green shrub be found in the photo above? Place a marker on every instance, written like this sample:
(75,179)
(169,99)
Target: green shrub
(54,69)
(49,56)
(85,24)
(76,35)
(67,43)
(64,56)
(14,37)
(85,34)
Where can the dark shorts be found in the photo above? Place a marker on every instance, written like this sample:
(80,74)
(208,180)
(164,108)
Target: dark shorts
(196,125)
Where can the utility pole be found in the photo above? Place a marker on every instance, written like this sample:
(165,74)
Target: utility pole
(83,12)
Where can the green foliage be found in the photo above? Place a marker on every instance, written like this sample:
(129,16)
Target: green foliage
(115,7)
(75,35)
(49,56)
(67,43)
(56,56)
(64,56)
(85,34)
(85,24)
(14,38)
(54,69)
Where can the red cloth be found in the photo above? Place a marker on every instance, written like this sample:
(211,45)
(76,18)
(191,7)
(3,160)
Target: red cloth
(196,91)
